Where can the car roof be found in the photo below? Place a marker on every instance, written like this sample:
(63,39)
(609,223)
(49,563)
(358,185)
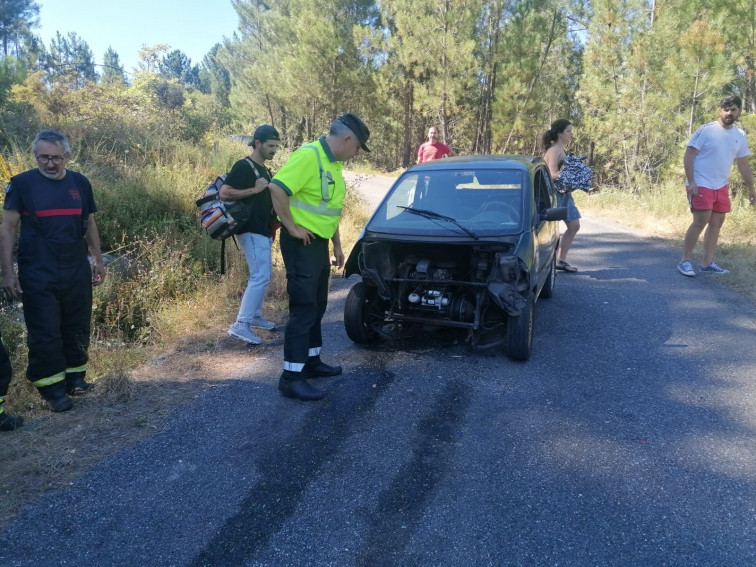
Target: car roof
(481,161)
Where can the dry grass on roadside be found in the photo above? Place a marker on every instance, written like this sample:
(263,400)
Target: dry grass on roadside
(663,215)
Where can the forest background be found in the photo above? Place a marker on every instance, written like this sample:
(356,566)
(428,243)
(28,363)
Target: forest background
(636,77)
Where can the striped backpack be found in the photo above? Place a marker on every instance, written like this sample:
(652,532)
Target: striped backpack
(222,219)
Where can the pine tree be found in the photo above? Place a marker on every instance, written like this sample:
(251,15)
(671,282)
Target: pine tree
(112,70)
(70,60)
(214,77)
(17,18)
(177,65)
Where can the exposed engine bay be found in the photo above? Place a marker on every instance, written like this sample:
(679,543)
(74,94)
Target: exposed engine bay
(470,286)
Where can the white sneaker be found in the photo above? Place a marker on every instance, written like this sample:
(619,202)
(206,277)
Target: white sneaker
(262,323)
(242,332)
(686,269)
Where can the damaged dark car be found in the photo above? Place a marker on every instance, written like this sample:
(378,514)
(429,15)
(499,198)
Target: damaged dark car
(464,242)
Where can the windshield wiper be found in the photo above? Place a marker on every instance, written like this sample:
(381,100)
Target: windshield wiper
(436,216)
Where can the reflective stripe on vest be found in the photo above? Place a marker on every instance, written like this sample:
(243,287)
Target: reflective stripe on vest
(321,208)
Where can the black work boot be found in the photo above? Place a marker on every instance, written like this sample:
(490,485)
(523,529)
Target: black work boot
(293,385)
(55,396)
(316,368)
(76,385)
(10,422)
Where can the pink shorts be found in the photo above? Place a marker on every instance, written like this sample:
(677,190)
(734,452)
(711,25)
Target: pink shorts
(717,200)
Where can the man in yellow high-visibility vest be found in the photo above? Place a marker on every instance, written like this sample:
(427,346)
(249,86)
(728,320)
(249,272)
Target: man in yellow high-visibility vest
(308,193)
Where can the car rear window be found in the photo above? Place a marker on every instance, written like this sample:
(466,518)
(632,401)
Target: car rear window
(487,201)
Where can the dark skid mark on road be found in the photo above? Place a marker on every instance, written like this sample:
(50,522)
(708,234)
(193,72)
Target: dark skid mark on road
(287,470)
(400,507)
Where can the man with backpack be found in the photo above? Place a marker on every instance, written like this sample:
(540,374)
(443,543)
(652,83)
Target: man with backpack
(248,182)
(55,207)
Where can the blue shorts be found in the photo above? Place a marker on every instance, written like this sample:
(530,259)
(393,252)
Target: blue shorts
(566,200)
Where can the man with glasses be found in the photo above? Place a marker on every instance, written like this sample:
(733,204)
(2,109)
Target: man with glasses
(308,193)
(55,207)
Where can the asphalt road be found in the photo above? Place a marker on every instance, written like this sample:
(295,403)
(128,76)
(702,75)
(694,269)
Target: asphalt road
(629,438)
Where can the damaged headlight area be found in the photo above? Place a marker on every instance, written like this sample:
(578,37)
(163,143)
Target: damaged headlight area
(509,284)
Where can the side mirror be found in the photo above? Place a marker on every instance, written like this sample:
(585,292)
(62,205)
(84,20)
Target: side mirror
(554,214)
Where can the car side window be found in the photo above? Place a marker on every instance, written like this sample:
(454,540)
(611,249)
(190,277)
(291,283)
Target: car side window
(542,193)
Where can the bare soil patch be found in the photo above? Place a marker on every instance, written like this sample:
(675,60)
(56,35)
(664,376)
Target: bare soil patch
(51,450)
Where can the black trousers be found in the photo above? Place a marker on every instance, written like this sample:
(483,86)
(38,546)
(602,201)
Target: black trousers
(5,371)
(57,294)
(307,271)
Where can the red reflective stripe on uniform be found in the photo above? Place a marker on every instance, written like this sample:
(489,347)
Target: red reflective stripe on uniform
(59,212)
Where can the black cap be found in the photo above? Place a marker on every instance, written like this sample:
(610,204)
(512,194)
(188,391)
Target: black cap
(358,127)
(264,133)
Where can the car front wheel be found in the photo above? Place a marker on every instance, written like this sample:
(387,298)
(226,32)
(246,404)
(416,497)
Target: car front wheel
(356,315)
(520,332)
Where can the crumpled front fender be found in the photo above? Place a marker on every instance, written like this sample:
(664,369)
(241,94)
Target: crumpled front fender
(508,282)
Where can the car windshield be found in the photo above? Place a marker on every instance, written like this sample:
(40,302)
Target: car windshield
(486,201)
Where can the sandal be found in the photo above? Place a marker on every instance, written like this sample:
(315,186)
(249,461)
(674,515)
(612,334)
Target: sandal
(565,267)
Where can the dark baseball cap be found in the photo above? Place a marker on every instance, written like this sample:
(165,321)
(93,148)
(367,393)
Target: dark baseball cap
(358,127)
(264,133)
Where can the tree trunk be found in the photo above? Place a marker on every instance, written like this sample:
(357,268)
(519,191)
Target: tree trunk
(269,106)
(407,140)
(483,137)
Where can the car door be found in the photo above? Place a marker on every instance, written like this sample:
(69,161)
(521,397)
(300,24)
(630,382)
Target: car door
(546,234)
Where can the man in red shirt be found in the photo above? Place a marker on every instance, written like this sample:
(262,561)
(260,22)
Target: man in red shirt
(433,149)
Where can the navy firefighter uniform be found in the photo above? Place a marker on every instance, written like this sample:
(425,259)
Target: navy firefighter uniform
(54,272)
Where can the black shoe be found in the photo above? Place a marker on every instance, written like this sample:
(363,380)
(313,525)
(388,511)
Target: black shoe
(76,385)
(316,368)
(10,422)
(293,385)
(55,396)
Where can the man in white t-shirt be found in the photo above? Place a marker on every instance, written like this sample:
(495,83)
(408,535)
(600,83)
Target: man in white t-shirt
(708,161)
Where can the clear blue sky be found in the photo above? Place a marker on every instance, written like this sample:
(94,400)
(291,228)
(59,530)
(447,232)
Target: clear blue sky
(193,26)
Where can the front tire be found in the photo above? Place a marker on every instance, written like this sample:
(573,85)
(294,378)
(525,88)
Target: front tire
(356,310)
(520,332)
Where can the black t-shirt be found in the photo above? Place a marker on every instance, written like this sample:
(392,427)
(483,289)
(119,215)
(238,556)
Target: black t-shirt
(260,205)
(62,207)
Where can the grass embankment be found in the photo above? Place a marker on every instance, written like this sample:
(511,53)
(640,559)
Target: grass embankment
(159,320)
(663,214)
